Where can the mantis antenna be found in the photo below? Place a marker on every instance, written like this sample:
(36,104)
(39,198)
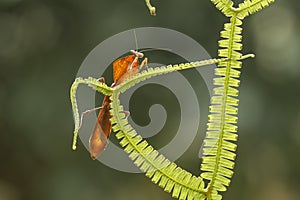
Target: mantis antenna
(135,40)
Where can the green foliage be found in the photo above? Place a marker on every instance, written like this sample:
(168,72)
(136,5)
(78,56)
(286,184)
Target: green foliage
(219,147)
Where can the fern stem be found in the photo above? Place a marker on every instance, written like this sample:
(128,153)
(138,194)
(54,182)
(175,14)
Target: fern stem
(151,8)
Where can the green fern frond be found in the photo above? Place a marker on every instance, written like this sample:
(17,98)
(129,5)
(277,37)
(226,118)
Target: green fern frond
(249,7)
(218,152)
(173,179)
(94,84)
(219,147)
(151,72)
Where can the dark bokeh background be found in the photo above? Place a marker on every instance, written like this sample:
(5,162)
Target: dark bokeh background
(42,44)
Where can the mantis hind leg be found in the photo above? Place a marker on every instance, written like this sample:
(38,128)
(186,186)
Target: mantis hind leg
(87,112)
(102,80)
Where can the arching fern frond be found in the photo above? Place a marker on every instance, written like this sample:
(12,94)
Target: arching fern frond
(173,179)
(94,84)
(151,72)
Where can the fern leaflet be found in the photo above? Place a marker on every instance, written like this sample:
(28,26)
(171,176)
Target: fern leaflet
(250,7)
(225,6)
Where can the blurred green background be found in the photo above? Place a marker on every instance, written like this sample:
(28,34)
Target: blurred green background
(43,43)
